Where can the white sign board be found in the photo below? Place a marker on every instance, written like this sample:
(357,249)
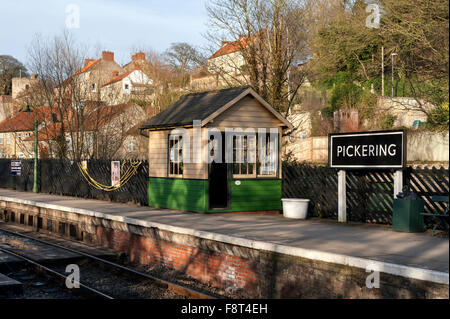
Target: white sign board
(115,173)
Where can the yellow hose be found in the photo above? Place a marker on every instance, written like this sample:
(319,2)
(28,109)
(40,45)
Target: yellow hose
(132,170)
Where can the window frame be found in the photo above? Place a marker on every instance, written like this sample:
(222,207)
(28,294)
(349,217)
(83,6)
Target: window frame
(180,149)
(256,166)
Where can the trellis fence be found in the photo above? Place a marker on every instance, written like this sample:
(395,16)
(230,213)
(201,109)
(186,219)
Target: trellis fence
(369,193)
(63,177)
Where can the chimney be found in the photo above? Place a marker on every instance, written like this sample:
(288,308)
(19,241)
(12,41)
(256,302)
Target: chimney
(87,61)
(138,56)
(115,73)
(107,56)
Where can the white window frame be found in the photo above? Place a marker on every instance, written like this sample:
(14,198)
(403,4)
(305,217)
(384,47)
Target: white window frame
(175,165)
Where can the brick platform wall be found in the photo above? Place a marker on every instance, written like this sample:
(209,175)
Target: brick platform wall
(248,272)
(218,269)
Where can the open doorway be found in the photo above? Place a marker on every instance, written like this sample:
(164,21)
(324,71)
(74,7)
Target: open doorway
(218,181)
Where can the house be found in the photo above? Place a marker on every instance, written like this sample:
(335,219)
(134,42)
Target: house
(124,87)
(228,59)
(134,146)
(225,67)
(216,151)
(100,135)
(17,128)
(93,76)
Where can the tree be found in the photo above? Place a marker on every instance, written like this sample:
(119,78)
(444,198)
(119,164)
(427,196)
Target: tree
(79,125)
(10,67)
(347,52)
(183,58)
(271,36)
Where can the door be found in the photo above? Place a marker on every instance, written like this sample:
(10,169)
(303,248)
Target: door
(218,182)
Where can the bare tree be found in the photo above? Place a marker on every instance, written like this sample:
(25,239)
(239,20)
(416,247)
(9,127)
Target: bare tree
(183,58)
(271,36)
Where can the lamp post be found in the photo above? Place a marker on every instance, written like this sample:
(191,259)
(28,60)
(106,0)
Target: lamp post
(36,154)
(392,56)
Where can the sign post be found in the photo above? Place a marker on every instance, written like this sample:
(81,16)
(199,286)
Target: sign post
(342,196)
(366,150)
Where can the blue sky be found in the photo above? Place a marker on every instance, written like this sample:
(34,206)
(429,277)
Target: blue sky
(114,25)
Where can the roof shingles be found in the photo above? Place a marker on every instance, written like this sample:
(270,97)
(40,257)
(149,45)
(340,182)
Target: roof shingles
(195,106)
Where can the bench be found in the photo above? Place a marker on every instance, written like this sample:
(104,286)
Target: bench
(442,219)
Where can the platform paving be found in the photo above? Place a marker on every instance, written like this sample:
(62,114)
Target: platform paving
(369,242)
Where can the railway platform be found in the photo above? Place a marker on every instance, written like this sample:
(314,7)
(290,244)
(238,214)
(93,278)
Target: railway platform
(261,256)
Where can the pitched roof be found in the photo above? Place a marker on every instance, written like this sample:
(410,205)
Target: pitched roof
(194,106)
(22,122)
(92,122)
(230,47)
(118,78)
(204,106)
(88,66)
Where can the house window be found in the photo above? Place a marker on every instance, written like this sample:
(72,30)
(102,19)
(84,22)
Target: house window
(132,145)
(244,148)
(175,156)
(268,154)
(93,87)
(254,156)
(126,87)
(8,138)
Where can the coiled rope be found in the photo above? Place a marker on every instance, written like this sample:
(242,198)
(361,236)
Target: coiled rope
(132,170)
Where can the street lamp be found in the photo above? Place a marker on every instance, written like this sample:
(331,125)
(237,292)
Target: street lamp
(392,56)
(36,154)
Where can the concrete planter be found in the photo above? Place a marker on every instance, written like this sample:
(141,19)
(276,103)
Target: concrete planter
(295,208)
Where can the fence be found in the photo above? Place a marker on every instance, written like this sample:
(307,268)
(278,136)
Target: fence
(63,177)
(369,193)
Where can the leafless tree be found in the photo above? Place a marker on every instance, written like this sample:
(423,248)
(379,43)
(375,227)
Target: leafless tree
(271,36)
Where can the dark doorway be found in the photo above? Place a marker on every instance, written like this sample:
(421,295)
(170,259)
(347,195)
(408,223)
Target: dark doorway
(218,181)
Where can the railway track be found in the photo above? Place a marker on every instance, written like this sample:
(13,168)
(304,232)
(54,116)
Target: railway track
(101,278)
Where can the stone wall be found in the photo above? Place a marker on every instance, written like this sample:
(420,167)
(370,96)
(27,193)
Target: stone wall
(423,146)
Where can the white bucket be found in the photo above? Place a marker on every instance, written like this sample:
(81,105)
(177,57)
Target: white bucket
(295,208)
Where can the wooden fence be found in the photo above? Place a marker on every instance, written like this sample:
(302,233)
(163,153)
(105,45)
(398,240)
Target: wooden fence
(369,193)
(63,177)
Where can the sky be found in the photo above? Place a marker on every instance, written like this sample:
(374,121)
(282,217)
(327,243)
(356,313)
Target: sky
(113,25)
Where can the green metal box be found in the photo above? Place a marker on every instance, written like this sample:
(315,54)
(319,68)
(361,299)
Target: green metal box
(407,215)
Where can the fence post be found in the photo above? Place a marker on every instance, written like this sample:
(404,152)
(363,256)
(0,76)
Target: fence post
(398,182)
(342,197)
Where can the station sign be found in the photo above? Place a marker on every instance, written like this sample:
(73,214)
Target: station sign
(386,149)
(16,168)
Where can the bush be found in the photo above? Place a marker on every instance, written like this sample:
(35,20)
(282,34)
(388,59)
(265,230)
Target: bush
(345,95)
(440,114)
(387,122)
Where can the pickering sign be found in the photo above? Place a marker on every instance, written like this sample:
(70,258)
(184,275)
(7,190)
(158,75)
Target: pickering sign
(385,149)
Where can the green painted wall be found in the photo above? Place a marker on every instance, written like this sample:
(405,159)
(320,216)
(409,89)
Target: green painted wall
(183,194)
(192,195)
